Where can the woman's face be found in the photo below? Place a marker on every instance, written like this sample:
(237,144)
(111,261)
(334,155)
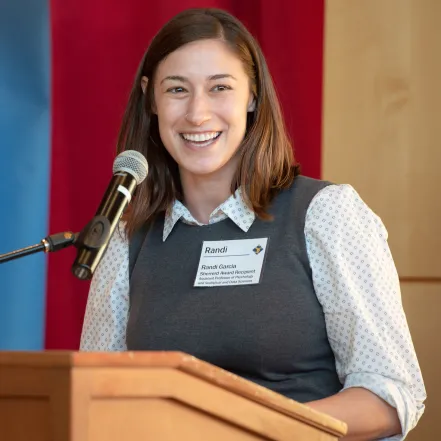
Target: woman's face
(202,96)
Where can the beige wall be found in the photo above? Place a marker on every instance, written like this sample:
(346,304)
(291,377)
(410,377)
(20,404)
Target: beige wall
(382,134)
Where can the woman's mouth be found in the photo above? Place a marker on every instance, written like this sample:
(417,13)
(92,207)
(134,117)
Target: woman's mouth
(199,140)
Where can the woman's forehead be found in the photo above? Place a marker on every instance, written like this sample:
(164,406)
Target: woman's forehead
(202,58)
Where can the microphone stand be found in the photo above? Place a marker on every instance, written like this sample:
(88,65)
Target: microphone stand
(54,242)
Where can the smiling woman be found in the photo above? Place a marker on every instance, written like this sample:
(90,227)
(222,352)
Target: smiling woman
(311,307)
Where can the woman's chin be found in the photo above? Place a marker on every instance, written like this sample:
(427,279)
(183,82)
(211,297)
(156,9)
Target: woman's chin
(201,169)
(210,165)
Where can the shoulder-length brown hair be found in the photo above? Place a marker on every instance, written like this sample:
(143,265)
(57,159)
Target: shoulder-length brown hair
(266,163)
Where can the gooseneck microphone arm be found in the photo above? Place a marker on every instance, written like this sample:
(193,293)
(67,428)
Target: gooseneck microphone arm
(54,242)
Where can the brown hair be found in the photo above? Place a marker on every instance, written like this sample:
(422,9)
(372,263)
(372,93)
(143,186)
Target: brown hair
(267,162)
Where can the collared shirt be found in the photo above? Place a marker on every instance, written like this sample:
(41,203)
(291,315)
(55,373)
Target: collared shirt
(234,207)
(365,322)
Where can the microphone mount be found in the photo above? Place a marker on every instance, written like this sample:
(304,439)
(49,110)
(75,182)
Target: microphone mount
(94,235)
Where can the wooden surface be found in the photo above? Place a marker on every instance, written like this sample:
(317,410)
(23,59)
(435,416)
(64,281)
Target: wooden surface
(381,119)
(382,135)
(192,424)
(84,390)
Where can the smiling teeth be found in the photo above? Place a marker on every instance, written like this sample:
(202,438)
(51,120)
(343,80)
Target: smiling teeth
(200,137)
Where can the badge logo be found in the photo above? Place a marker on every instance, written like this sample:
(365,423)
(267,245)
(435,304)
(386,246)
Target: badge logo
(258,249)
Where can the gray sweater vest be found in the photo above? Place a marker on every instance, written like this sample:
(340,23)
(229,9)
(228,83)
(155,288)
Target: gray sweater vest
(272,333)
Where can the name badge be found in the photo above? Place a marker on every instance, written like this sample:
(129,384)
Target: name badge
(231,262)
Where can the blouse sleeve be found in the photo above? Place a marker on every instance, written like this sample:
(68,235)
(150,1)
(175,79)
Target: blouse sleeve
(105,320)
(356,282)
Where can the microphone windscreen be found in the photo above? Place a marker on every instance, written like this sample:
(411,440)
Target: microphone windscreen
(132,162)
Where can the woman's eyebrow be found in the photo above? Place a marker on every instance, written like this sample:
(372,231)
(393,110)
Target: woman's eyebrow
(210,78)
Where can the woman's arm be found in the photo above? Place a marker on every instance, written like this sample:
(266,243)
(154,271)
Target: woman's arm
(368,417)
(105,320)
(357,284)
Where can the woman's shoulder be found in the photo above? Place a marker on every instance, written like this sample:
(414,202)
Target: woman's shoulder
(340,206)
(339,196)
(326,191)
(304,189)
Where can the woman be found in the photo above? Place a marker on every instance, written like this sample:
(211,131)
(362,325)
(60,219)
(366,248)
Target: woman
(284,280)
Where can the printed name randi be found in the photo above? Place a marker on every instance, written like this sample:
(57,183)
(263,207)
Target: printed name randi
(222,250)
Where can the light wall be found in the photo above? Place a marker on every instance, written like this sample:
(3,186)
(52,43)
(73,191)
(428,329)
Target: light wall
(382,134)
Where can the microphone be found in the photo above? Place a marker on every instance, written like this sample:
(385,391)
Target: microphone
(129,170)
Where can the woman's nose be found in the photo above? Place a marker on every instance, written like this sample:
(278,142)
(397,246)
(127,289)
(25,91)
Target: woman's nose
(198,110)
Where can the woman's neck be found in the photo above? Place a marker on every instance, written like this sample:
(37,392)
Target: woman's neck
(204,193)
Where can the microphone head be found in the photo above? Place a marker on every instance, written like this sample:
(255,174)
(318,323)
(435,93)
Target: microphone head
(132,162)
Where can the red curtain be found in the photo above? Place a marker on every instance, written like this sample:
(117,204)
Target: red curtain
(96,47)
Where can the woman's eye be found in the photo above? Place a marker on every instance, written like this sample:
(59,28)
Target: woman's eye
(176,90)
(221,88)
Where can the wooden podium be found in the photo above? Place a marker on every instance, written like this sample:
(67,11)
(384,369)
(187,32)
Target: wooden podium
(160,396)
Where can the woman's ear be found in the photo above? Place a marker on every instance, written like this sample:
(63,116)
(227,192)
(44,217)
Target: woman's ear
(252,103)
(144,82)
